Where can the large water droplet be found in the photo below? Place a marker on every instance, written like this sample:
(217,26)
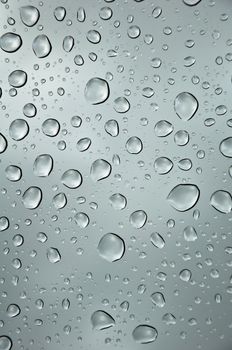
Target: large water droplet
(185,105)
(32,197)
(185,275)
(13,173)
(41,46)
(102,320)
(184,196)
(17,78)
(157,240)
(111,247)
(18,129)
(4,223)
(191,2)
(100,169)
(13,310)
(82,219)
(163,165)
(43,165)
(118,201)
(97,91)
(144,334)
(71,178)
(68,43)
(5,343)
(158,299)
(53,255)
(221,201)
(190,234)
(121,105)
(134,145)
(59,13)
(138,219)
(112,128)
(10,42)
(51,127)
(29,15)
(163,128)
(226,147)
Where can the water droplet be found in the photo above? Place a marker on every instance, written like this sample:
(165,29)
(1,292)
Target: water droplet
(5,343)
(158,299)
(41,46)
(190,234)
(163,128)
(59,13)
(138,219)
(226,147)
(97,91)
(93,36)
(163,165)
(13,310)
(82,220)
(43,165)
(32,197)
(81,16)
(29,15)
(157,240)
(144,334)
(13,173)
(51,127)
(29,110)
(185,105)
(83,144)
(121,105)
(100,169)
(68,43)
(18,129)
(59,200)
(191,2)
(3,143)
(134,145)
(102,320)
(111,247)
(133,32)
(184,197)
(71,178)
(10,42)
(112,128)
(118,201)
(181,138)
(185,275)
(221,201)
(157,12)
(4,223)
(17,78)
(53,255)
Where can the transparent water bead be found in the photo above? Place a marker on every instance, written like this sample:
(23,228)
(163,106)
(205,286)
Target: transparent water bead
(97,91)
(185,105)
(184,197)
(101,320)
(144,334)
(111,247)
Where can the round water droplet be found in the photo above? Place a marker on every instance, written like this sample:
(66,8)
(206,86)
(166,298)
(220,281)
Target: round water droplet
(157,240)
(29,15)
(121,105)
(221,201)
(226,147)
(185,105)
(71,178)
(41,46)
(112,128)
(13,173)
(191,2)
(100,169)
(134,145)
(138,219)
(51,127)
(185,275)
(59,13)
(105,13)
(4,223)
(93,36)
(158,299)
(13,310)
(144,334)
(163,165)
(184,197)
(43,165)
(185,164)
(32,197)
(111,247)
(133,32)
(10,42)
(102,320)
(29,110)
(97,91)
(181,138)
(59,200)
(81,219)
(17,78)
(163,128)
(3,143)
(53,255)
(5,343)
(118,201)
(18,129)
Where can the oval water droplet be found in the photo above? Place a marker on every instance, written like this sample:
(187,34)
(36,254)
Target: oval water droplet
(144,334)
(221,201)
(111,247)
(29,15)
(41,46)
(83,144)
(158,299)
(97,91)
(18,129)
(17,78)
(13,173)
(190,234)
(185,275)
(59,200)
(134,145)
(185,105)
(138,219)
(163,165)
(71,178)
(121,105)
(13,310)
(157,240)
(81,219)
(226,147)
(4,223)
(163,128)
(32,197)
(184,197)
(51,127)
(81,16)
(68,43)
(59,13)
(43,165)
(5,343)
(10,42)
(118,201)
